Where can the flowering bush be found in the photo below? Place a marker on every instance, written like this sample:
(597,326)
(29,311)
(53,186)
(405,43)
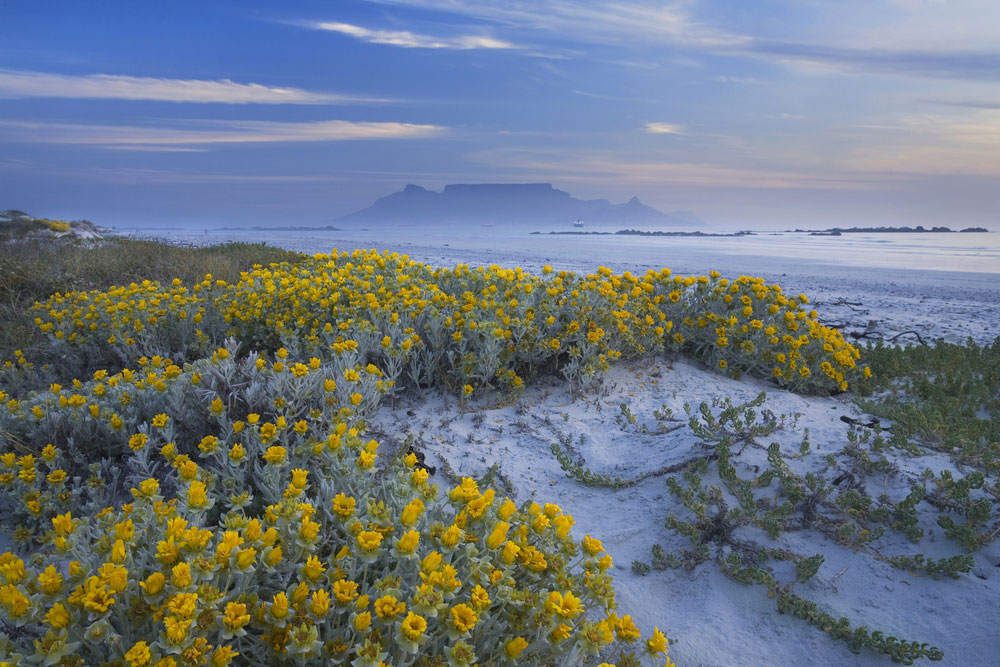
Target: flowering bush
(198,499)
(483,327)
(258,527)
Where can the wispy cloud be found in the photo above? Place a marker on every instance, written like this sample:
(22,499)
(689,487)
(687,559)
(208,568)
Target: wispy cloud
(966,143)
(24,84)
(154,149)
(664,128)
(414,40)
(966,104)
(932,40)
(195,133)
(957,64)
(600,167)
(585,21)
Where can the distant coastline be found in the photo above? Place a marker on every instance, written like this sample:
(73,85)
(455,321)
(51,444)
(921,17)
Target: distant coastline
(326,228)
(919,229)
(637,232)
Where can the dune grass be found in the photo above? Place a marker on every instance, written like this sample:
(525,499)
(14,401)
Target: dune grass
(33,268)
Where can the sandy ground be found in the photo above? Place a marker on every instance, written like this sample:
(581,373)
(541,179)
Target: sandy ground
(717,622)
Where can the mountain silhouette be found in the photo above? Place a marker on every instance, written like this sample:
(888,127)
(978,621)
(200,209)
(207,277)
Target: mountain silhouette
(493,203)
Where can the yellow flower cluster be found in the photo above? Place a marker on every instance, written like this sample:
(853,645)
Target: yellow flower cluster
(253,534)
(464,327)
(227,506)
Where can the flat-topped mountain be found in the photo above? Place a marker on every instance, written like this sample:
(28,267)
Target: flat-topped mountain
(494,203)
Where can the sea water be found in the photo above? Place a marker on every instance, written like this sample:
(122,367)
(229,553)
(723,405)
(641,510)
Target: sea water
(958,251)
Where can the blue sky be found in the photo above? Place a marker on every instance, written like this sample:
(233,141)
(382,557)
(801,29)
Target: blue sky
(767,113)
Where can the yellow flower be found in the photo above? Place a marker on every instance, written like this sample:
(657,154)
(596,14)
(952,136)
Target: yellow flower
(451,536)
(208,444)
(197,498)
(313,568)
(50,580)
(180,575)
(279,605)
(275,454)
(345,591)
(245,558)
(657,643)
(362,621)
(343,505)
(236,453)
(153,584)
(413,626)
(223,655)
(320,602)
(177,628)
(138,655)
(96,596)
(411,512)
(407,544)
(463,617)
(479,598)
(506,509)
(356,399)
(183,605)
(626,630)
(137,441)
(235,615)
(299,477)
(387,607)
(566,606)
(308,530)
(366,460)
(498,536)
(560,632)
(118,552)
(515,647)
(369,540)
(57,616)
(273,556)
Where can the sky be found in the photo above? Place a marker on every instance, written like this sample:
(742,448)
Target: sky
(768,114)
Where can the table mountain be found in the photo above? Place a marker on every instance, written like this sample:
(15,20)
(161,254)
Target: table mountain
(492,203)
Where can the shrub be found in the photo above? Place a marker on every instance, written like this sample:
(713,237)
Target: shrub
(259,526)
(484,327)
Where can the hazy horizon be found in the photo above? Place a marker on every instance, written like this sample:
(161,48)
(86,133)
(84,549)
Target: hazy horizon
(771,115)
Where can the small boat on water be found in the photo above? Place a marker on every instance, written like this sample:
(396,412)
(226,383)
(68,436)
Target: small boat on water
(578,224)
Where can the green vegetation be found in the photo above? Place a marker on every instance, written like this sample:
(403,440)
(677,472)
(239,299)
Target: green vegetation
(34,267)
(947,395)
(725,496)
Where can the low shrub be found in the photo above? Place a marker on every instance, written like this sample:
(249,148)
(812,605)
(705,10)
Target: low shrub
(258,525)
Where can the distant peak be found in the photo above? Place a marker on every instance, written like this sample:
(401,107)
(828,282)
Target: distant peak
(410,187)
